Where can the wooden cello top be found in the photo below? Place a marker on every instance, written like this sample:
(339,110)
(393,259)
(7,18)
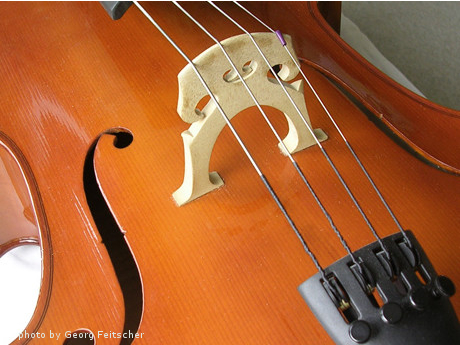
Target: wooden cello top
(225,268)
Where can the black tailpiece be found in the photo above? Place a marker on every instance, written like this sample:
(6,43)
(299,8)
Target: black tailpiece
(408,305)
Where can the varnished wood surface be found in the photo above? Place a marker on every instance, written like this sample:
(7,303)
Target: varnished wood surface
(225,268)
(416,120)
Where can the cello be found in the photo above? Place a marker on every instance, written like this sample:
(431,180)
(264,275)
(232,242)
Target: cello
(89,114)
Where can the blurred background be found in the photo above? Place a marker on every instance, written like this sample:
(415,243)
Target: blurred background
(421,39)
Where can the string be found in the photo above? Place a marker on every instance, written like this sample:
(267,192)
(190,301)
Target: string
(296,166)
(342,181)
(235,134)
(350,148)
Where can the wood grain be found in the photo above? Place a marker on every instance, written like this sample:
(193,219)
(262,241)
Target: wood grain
(225,268)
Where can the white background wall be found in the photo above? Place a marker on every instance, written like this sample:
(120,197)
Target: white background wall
(422,39)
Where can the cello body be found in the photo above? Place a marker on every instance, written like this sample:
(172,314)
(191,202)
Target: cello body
(223,268)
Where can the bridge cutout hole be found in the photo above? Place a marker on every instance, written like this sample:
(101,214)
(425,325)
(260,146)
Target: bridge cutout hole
(248,68)
(229,76)
(200,108)
(281,70)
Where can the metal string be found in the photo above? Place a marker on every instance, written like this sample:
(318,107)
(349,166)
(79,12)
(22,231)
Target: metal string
(350,148)
(344,184)
(246,151)
(296,166)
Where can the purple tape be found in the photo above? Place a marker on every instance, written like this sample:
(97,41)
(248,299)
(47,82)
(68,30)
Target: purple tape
(280,37)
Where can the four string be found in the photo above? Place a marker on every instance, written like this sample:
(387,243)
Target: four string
(237,137)
(350,148)
(293,161)
(251,159)
(325,154)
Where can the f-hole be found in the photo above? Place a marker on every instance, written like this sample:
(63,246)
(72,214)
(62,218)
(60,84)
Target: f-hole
(113,238)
